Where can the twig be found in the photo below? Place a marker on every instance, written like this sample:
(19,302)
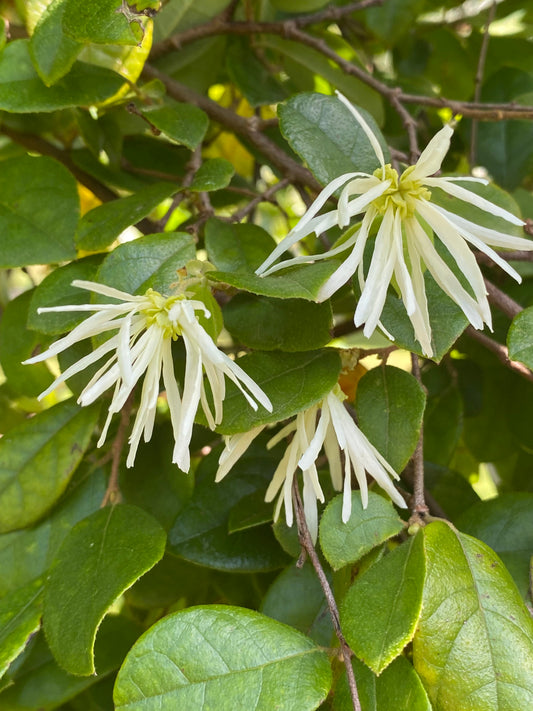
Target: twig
(112,494)
(479,79)
(419,507)
(264,197)
(239,125)
(501,352)
(307,545)
(502,301)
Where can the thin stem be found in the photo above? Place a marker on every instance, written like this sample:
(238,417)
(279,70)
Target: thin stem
(264,197)
(418,505)
(307,545)
(112,494)
(501,352)
(479,79)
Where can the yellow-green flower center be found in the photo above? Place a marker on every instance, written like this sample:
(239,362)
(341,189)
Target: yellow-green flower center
(402,193)
(157,312)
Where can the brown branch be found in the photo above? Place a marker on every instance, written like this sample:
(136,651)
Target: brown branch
(502,301)
(112,494)
(290,29)
(307,545)
(479,79)
(419,507)
(501,352)
(239,125)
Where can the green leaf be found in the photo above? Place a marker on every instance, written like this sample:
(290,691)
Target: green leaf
(53,53)
(506,147)
(41,684)
(213,174)
(237,250)
(443,418)
(506,525)
(98,22)
(292,381)
(103,224)
(474,642)
(446,319)
(56,290)
(380,611)
(22,90)
(167,582)
(105,553)
(27,554)
(183,123)
(325,134)
(270,324)
(205,539)
(179,15)
(345,543)
(397,688)
(20,617)
(520,337)
(395,19)
(242,660)
(149,262)
(37,460)
(39,209)
(16,345)
(297,599)
(254,80)
(390,407)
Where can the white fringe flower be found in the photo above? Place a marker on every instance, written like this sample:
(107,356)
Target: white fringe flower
(146,326)
(403,203)
(334,432)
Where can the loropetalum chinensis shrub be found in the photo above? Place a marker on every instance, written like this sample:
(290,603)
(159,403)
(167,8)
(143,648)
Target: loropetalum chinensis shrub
(266,336)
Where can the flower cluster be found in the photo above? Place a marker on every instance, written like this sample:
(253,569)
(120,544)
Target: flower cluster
(145,328)
(328,426)
(406,215)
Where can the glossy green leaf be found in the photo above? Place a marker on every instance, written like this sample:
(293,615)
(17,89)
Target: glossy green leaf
(184,123)
(325,134)
(446,319)
(397,688)
(23,91)
(297,599)
(205,539)
(242,660)
(99,22)
(254,80)
(390,406)
(56,290)
(237,251)
(520,337)
(40,683)
(27,554)
(178,15)
(474,641)
(345,543)
(381,610)
(292,381)
(16,345)
(104,553)
(506,525)
(272,324)
(37,460)
(20,617)
(149,262)
(39,209)
(53,53)
(103,224)
(213,174)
